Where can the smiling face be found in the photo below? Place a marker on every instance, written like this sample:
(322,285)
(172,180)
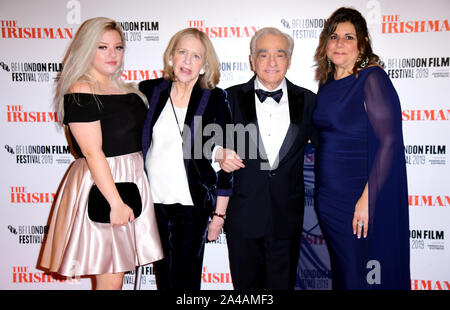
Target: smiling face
(342,46)
(188,59)
(271,60)
(108,56)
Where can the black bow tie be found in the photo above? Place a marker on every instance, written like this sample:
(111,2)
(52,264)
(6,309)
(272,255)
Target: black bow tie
(276,95)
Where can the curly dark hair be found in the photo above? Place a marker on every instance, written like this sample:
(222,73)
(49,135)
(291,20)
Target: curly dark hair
(343,15)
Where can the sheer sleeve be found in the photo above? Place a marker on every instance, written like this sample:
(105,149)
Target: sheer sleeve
(80,108)
(385,141)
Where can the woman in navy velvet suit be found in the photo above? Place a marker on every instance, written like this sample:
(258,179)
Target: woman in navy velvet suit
(186,117)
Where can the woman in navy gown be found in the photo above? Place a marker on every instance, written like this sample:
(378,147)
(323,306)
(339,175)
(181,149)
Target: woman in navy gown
(361,187)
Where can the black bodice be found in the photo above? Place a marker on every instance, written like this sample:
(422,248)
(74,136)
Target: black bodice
(121,117)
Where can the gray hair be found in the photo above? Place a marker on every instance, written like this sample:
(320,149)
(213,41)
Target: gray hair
(271,30)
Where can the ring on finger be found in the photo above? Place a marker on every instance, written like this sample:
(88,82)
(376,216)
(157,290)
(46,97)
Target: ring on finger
(360,224)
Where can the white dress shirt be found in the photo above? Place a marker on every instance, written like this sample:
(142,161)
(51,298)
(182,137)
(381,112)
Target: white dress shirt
(273,120)
(164,161)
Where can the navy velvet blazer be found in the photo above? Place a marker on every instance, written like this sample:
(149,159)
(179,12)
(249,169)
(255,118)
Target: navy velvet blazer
(275,194)
(209,106)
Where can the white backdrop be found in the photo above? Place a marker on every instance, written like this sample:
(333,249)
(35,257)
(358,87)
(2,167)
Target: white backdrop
(412,38)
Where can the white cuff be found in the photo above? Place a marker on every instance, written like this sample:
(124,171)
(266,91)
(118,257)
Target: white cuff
(215,164)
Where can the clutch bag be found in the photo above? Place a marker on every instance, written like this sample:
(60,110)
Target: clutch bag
(99,209)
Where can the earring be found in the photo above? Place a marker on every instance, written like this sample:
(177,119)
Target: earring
(329,63)
(202,71)
(170,63)
(365,62)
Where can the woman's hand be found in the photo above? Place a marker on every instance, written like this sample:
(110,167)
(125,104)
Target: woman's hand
(216,224)
(228,159)
(215,227)
(89,138)
(360,221)
(361,218)
(121,214)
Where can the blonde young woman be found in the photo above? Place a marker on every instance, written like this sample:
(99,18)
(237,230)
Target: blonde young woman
(103,220)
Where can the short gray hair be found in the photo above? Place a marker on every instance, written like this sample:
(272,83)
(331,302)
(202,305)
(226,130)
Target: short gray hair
(271,30)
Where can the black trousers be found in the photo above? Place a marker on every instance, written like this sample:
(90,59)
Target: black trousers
(183,234)
(263,263)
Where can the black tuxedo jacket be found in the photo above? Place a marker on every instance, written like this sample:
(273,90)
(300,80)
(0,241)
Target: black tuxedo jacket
(207,108)
(262,193)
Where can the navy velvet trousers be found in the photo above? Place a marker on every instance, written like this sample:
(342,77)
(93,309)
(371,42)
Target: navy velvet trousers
(183,234)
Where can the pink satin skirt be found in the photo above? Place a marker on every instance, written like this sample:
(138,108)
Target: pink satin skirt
(77,246)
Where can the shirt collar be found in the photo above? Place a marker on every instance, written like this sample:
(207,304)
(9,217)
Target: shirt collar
(259,85)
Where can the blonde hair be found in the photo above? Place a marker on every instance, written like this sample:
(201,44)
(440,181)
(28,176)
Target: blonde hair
(211,78)
(78,59)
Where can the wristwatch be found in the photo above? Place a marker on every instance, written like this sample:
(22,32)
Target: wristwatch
(218,214)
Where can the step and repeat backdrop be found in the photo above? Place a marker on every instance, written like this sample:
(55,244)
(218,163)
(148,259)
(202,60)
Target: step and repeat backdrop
(412,38)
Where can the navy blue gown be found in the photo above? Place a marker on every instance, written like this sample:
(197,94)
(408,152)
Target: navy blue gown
(361,140)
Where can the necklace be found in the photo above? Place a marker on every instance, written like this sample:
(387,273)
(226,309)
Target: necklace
(181,133)
(176,118)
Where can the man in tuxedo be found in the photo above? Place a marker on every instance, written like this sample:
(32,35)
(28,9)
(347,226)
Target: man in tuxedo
(264,217)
